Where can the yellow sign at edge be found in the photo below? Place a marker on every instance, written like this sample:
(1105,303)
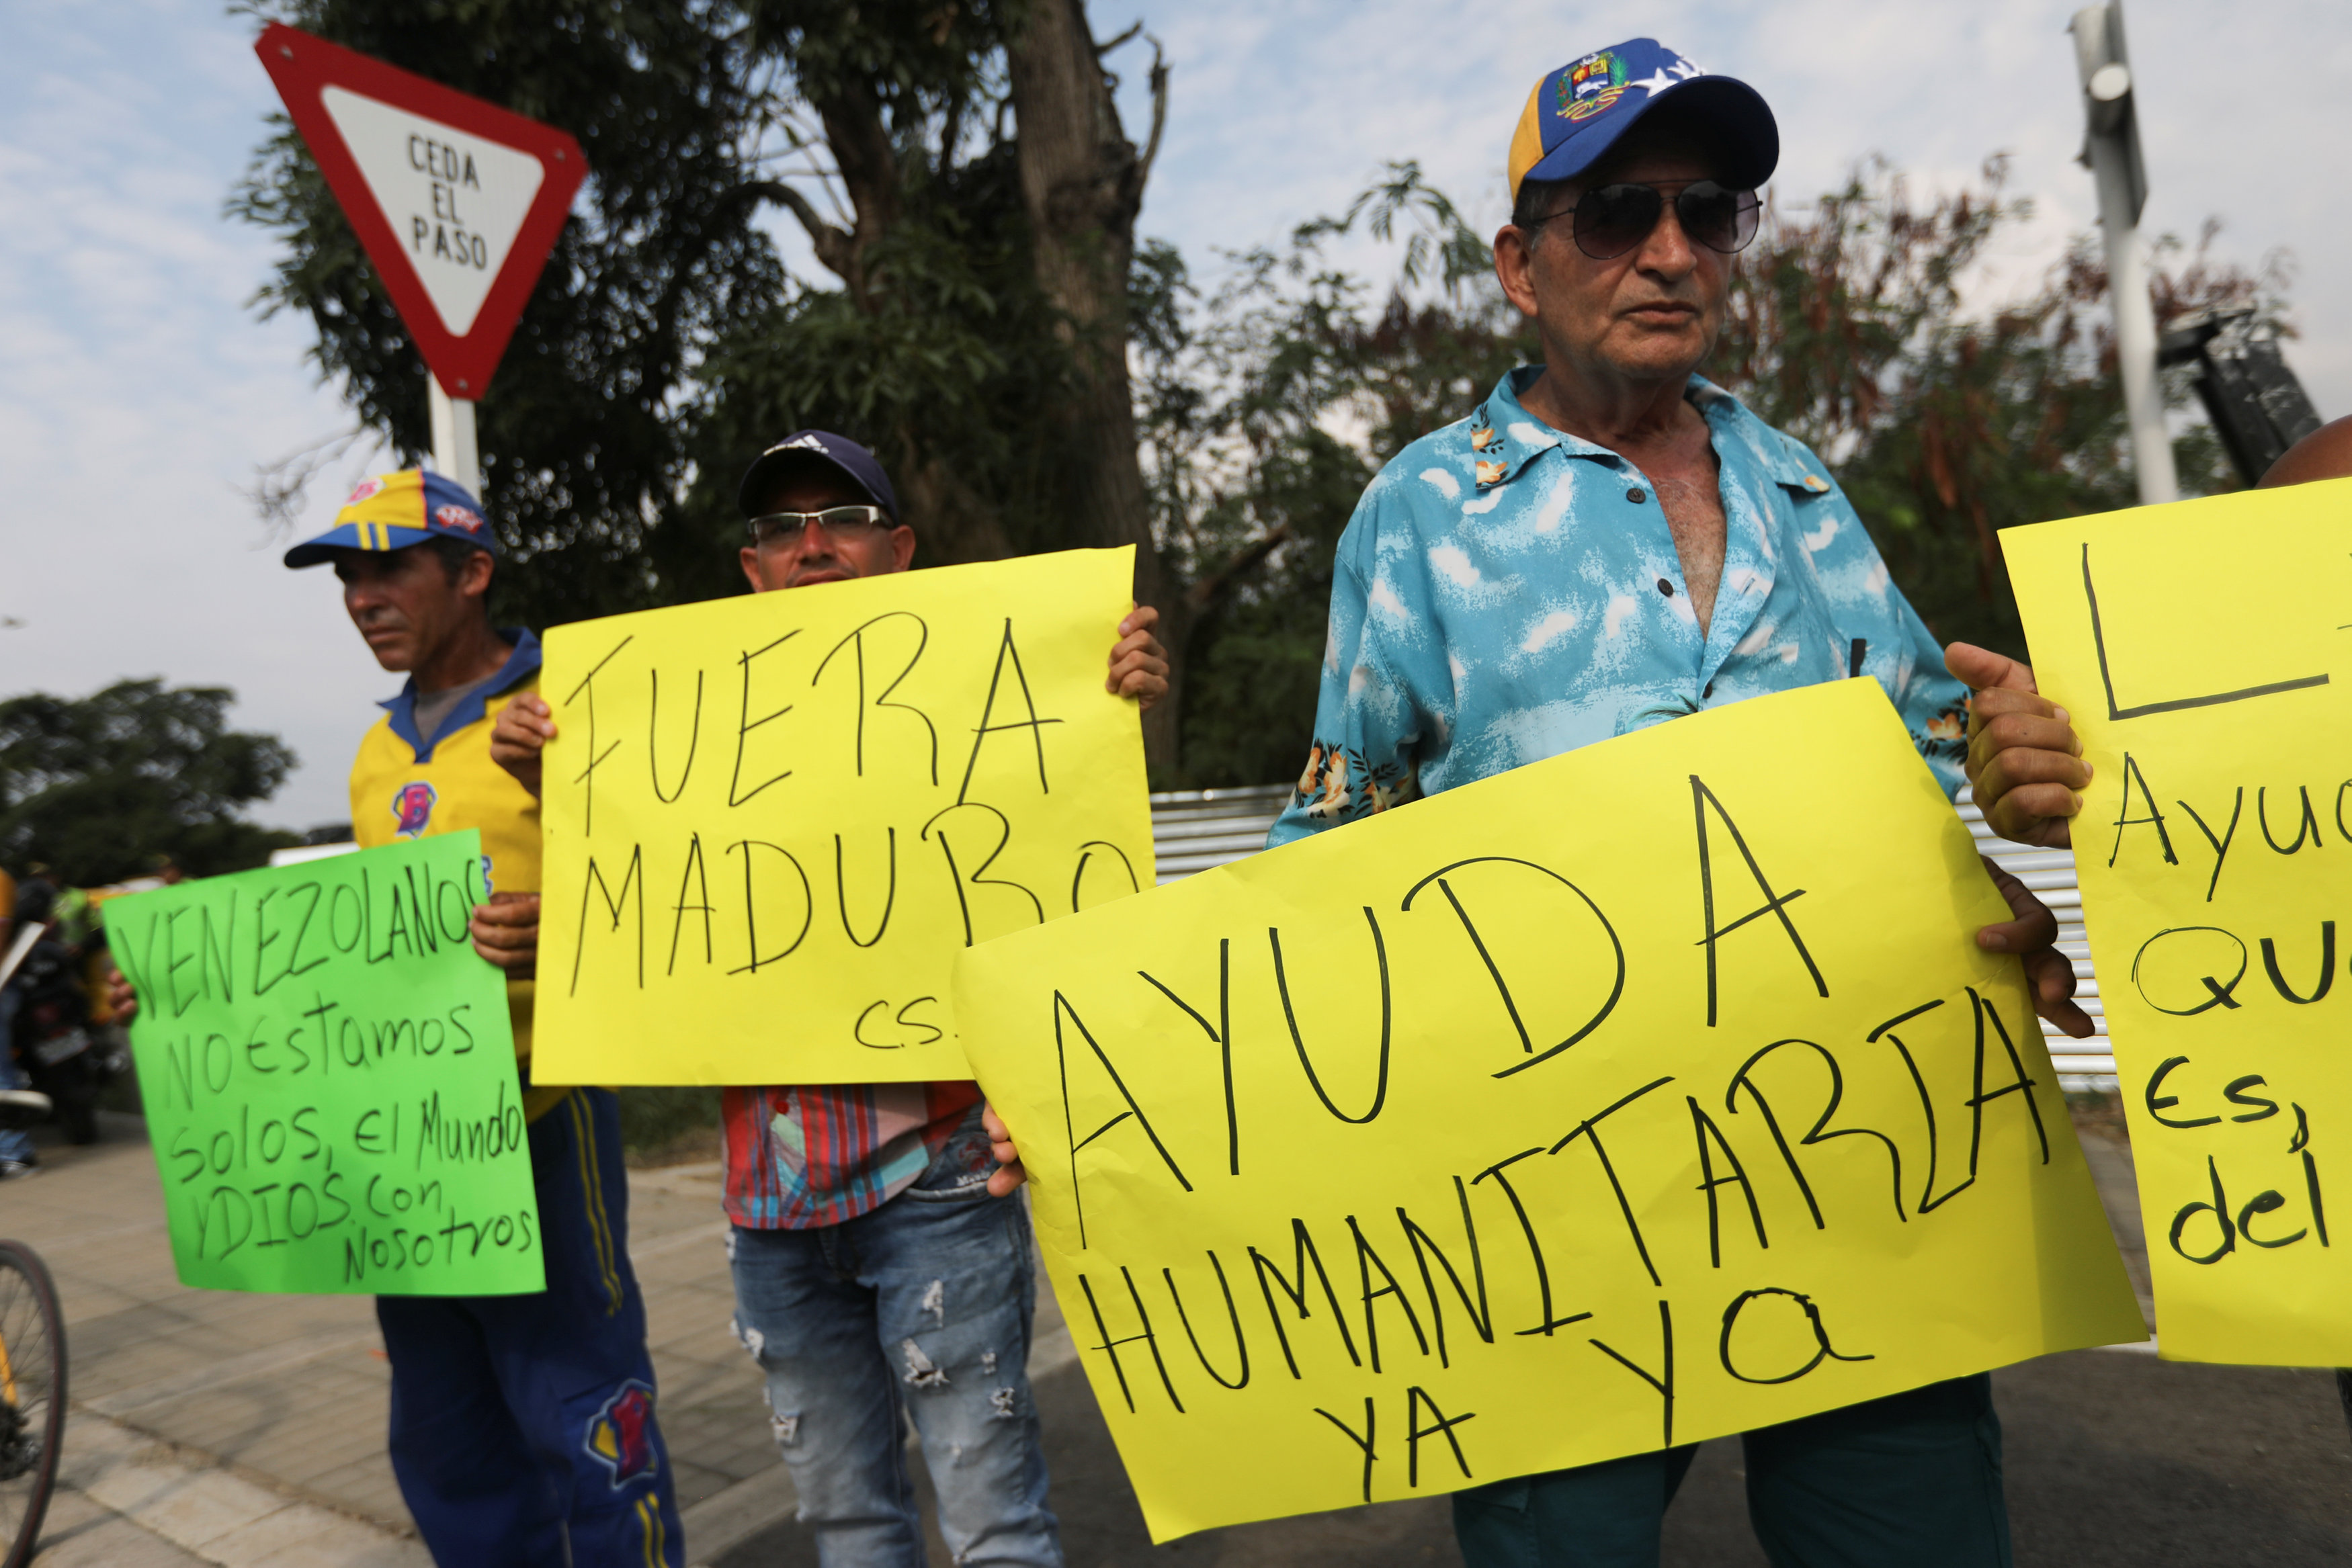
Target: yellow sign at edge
(2200,650)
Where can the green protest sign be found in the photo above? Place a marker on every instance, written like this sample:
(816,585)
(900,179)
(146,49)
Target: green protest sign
(330,1080)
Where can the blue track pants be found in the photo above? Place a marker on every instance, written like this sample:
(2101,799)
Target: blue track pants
(522,1424)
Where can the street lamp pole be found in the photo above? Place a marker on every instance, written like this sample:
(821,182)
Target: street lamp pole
(2111,148)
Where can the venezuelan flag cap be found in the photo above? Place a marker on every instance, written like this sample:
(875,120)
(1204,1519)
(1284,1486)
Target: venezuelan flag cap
(393,511)
(1576,114)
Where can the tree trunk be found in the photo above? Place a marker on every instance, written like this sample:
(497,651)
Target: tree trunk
(953,525)
(1082,183)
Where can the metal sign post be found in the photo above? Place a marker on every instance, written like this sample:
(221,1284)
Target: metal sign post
(455,451)
(2111,149)
(456,201)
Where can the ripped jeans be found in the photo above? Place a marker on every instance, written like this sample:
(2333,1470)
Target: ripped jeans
(922,1308)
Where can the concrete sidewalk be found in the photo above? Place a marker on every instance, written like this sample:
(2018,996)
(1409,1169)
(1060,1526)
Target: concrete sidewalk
(211,1427)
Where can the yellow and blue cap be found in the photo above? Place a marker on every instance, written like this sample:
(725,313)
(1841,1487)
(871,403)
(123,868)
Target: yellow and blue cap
(1576,114)
(393,511)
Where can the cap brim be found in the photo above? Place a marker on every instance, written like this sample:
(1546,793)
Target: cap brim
(762,474)
(1751,137)
(377,539)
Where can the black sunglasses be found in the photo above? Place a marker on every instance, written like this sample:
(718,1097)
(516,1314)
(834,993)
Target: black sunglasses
(1613,219)
(786,527)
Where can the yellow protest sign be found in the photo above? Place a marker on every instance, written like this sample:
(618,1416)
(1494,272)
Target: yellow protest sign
(772,822)
(1645,1094)
(2197,649)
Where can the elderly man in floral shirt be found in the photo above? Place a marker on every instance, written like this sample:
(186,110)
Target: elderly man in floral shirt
(1607,542)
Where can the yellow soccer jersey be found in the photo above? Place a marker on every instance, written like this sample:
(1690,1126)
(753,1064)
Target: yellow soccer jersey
(402,787)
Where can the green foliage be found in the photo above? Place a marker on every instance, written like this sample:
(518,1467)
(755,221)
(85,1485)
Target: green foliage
(936,350)
(667,345)
(1264,410)
(583,455)
(1849,329)
(946,368)
(97,787)
(661,1124)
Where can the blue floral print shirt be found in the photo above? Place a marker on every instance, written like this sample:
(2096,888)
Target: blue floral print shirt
(1507,593)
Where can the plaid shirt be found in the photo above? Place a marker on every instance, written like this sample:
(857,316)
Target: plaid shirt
(801,1156)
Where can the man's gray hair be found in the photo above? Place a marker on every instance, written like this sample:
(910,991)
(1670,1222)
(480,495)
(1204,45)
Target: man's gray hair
(1538,199)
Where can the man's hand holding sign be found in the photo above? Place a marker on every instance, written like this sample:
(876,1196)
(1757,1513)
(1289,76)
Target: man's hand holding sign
(2023,766)
(1714,1124)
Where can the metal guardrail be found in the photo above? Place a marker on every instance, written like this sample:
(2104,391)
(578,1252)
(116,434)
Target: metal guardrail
(1193,830)
(2080,1064)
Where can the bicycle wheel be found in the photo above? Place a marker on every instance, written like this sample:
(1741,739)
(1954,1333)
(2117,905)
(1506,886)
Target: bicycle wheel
(32,1398)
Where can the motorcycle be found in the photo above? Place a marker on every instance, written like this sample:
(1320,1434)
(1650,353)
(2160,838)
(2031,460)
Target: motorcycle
(54,1042)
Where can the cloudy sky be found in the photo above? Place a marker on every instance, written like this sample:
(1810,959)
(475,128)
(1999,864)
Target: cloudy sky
(138,391)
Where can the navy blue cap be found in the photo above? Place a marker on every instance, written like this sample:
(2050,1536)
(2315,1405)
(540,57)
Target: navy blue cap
(860,467)
(1576,113)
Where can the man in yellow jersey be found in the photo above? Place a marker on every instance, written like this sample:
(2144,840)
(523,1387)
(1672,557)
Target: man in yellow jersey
(522,1427)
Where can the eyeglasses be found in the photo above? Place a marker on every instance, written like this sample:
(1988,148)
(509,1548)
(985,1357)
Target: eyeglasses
(1613,219)
(785,528)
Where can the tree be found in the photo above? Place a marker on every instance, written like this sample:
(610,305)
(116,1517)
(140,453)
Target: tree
(1266,408)
(1081,187)
(983,197)
(1850,329)
(882,131)
(97,787)
(661,259)
(983,314)
(959,171)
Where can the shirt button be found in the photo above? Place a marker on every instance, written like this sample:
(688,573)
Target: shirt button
(1665,588)
(1637,494)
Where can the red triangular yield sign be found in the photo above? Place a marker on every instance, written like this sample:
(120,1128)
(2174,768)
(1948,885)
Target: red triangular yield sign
(456,201)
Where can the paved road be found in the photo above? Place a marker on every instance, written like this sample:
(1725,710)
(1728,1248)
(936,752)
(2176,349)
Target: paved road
(2114,1457)
(220,1429)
